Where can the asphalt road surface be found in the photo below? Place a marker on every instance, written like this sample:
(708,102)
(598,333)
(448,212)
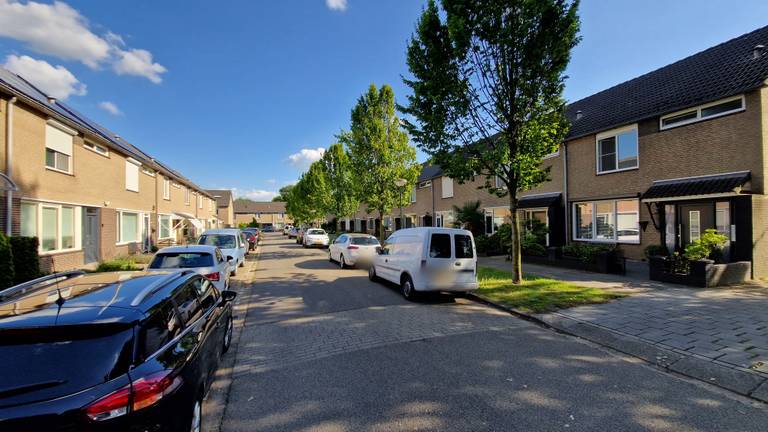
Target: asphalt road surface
(324,349)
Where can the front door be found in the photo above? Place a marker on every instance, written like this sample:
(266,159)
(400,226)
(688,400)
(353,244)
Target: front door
(694,219)
(91,234)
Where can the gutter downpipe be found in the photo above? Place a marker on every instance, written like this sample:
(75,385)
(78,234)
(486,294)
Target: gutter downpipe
(565,193)
(9,164)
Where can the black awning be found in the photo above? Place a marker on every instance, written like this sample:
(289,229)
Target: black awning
(538,201)
(697,186)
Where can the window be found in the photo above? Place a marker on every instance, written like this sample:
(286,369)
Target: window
(413,195)
(695,225)
(97,148)
(186,196)
(67,227)
(425,184)
(607,221)
(186,302)
(127,227)
(222,241)
(447,187)
(162,326)
(617,150)
(131,175)
(199,201)
(58,147)
(703,112)
(463,246)
(723,218)
(279,215)
(28,220)
(165,226)
(148,171)
(440,246)
(166,188)
(173,260)
(50,229)
(499,183)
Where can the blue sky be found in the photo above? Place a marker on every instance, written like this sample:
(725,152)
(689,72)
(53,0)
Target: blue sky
(241,94)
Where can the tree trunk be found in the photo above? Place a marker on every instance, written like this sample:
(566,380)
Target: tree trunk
(381,226)
(516,249)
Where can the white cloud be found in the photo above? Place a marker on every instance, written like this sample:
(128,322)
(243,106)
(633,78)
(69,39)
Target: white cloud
(54,81)
(304,158)
(111,108)
(254,194)
(271,181)
(61,31)
(138,62)
(339,5)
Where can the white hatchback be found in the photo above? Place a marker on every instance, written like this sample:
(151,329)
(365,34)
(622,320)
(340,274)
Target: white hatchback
(427,259)
(351,249)
(315,237)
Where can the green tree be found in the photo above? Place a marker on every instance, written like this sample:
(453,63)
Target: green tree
(340,181)
(283,193)
(470,216)
(488,78)
(310,199)
(379,152)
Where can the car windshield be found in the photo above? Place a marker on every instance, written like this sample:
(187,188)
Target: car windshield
(223,241)
(182,260)
(364,241)
(315,232)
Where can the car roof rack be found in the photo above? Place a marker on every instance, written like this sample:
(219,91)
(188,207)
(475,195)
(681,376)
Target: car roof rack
(36,283)
(155,286)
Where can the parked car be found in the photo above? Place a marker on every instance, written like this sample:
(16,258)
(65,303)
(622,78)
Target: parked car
(315,237)
(207,261)
(427,259)
(110,351)
(268,228)
(352,249)
(292,233)
(251,239)
(300,235)
(232,243)
(287,229)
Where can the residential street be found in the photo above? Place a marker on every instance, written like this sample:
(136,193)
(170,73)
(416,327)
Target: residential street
(326,350)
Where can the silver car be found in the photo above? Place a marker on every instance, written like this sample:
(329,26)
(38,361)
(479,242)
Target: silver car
(232,243)
(351,249)
(207,261)
(315,237)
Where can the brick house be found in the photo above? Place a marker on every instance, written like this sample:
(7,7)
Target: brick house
(87,194)
(225,206)
(265,213)
(652,161)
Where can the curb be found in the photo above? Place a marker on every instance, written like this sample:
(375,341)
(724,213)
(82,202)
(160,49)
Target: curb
(742,382)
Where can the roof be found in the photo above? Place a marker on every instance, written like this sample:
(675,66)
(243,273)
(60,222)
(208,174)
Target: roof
(697,186)
(20,87)
(245,206)
(724,70)
(429,171)
(222,196)
(539,200)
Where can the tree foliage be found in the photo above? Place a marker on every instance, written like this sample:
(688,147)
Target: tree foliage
(341,182)
(488,78)
(379,152)
(309,199)
(283,193)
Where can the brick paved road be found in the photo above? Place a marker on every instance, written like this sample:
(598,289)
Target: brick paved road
(326,350)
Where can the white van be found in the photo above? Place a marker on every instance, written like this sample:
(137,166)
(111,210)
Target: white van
(427,259)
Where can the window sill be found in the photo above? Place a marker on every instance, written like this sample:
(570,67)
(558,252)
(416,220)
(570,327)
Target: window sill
(59,171)
(58,252)
(617,171)
(127,243)
(606,241)
(131,190)
(166,199)
(447,197)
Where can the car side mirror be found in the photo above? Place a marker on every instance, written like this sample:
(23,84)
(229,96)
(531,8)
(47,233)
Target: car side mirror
(228,296)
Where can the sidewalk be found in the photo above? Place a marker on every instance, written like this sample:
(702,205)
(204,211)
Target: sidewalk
(718,335)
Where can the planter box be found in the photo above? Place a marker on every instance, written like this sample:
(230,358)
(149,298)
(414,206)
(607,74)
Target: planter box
(702,273)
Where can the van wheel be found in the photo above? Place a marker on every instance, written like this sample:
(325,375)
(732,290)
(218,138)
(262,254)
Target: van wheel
(407,288)
(372,274)
(342,263)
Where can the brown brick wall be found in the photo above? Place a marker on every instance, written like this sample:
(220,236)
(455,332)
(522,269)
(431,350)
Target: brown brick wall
(62,262)
(108,233)
(759,236)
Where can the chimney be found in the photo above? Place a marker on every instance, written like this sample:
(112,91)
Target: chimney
(51,100)
(757,52)
(578,115)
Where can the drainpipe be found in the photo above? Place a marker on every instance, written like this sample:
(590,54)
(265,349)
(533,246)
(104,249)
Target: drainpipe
(9,164)
(565,193)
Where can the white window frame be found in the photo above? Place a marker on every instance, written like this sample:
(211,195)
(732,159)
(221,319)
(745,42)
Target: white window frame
(527,213)
(96,148)
(147,171)
(187,198)
(199,201)
(131,163)
(166,188)
(139,219)
(698,110)
(66,130)
(499,184)
(615,133)
(171,233)
(425,184)
(615,240)
(413,195)
(76,228)
(443,182)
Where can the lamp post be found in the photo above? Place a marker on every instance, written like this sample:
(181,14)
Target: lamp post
(401,184)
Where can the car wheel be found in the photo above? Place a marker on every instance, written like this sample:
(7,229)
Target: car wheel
(228,335)
(197,416)
(407,288)
(342,263)
(233,272)
(330,256)
(372,274)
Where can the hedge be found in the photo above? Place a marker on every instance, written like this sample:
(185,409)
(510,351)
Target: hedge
(6,263)
(26,262)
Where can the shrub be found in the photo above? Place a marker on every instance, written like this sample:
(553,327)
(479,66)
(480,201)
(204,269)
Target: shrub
(537,229)
(534,249)
(482,243)
(6,262)
(586,252)
(655,250)
(26,262)
(117,264)
(710,245)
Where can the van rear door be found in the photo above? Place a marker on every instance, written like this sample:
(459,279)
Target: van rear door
(464,259)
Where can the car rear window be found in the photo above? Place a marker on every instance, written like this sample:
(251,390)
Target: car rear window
(463,246)
(224,241)
(315,232)
(365,241)
(48,362)
(182,260)
(440,246)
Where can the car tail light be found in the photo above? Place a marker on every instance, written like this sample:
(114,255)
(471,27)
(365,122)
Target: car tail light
(213,276)
(113,405)
(149,390)
(353,247)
